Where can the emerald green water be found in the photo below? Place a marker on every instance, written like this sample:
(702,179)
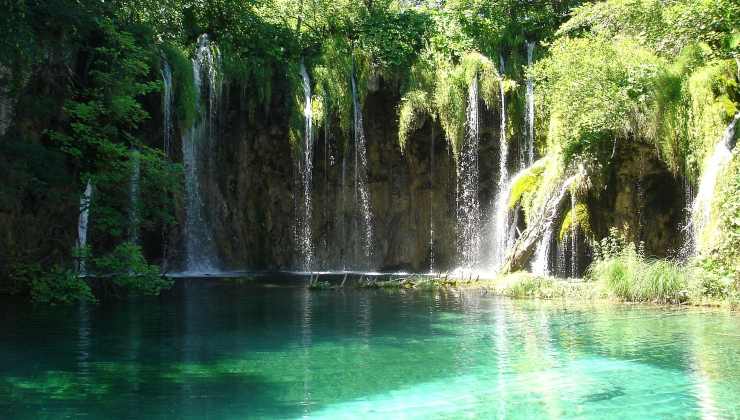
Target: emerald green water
(217,349)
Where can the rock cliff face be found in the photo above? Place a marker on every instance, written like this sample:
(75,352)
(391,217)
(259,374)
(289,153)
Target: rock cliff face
(250,190)
(642,196)
(249,187)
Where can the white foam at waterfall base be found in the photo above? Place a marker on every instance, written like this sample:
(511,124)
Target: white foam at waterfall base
(713,166)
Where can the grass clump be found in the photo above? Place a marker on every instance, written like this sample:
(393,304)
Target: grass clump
(523,285)
(624,272)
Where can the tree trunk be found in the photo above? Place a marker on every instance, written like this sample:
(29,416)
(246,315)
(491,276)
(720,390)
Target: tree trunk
(525,245)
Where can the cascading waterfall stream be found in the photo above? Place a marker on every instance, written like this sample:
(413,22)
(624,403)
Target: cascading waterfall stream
(541,261)
(167,108)
(504,232)
(431,204)
(529,149)
(341,216)
(501,226)
(560,261)
(721,156)
(305,244)
(468,207)
(503,173)
(688,249)
(573,238)
(504,229)
(200,250)
(84,223)
(362,193)
(540,264)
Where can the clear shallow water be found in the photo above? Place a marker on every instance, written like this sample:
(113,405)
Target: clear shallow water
(224,349)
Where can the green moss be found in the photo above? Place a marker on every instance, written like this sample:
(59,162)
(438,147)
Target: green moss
(534,201)
(414,105)
(526,182)
(182,75)
(340,61)
(709,90)
(477,65)
(578,217)
(438,87)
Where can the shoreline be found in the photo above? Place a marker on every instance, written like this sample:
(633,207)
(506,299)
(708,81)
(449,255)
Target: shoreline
(525,285)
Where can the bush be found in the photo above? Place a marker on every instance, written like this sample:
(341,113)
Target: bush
(59,286)
(127,268)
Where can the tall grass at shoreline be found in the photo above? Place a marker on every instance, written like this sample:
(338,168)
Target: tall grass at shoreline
(634,278)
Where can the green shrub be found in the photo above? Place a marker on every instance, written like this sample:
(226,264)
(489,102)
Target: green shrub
(59,286)
(126,267)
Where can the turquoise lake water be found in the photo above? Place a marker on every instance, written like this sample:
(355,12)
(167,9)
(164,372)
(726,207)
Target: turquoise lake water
(215,348)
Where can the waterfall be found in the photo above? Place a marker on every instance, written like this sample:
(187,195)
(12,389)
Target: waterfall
(503,231)
(501,226)
(362,193)
(167,107)
(306,176)
(529,148)
(503,173)
(200,249)
(540,264)
(560,263)
(721,156)
(341,221)
(431,203)
(468,208)
(84,223)
(573,238)
(688,249)
(134,195)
